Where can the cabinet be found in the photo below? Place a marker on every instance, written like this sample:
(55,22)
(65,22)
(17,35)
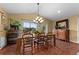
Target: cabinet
(11,37)
(62,28)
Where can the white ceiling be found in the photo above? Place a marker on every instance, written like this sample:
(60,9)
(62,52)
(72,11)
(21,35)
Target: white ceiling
(47,10)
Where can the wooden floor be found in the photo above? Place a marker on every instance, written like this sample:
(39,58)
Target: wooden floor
(62,48)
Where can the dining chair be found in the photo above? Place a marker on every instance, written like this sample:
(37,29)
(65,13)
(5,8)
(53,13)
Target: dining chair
(40,42)
(27,42)
(49,39)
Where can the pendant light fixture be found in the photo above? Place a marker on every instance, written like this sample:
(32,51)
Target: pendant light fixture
(38,19)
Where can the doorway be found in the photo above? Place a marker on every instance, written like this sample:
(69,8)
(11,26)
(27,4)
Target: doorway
(46,29)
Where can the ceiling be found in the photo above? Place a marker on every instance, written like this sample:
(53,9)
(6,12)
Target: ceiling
(51,11)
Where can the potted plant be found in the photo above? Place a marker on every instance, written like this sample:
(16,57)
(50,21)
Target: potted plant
(15,23)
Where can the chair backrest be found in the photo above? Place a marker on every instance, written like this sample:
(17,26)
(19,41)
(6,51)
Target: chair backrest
(27,35)
(49,33)
(41,34)
(49,37)
(27,38)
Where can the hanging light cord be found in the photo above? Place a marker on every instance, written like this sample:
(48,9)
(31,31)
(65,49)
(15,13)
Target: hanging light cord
(38,9)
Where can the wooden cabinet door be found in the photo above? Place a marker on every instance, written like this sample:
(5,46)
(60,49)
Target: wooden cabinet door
(61,34)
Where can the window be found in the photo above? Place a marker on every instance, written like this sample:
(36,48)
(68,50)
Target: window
(28,24)
(33,25)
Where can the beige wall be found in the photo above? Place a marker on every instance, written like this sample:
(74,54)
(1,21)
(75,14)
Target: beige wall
(50,26)
(73,28)
(21,17)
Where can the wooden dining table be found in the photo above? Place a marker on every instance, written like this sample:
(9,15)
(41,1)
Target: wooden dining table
(19,43)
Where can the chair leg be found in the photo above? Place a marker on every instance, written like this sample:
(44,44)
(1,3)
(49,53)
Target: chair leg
(32,49)
(38,47)
(23,51)
(22,47)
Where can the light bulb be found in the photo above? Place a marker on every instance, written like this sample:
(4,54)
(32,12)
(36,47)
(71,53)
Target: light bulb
(37,18)
(34,20)
(40,19)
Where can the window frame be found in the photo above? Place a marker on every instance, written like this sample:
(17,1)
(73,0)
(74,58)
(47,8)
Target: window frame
(30,22)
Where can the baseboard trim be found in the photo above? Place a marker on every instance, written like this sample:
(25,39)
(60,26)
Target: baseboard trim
(68,41)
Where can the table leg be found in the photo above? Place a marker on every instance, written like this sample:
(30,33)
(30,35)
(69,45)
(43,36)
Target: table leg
(18,46)
(54,40)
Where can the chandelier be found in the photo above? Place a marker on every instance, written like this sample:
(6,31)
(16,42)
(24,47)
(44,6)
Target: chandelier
(38,19)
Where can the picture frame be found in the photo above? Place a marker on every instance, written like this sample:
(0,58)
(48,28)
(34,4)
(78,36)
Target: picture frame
(62,24)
